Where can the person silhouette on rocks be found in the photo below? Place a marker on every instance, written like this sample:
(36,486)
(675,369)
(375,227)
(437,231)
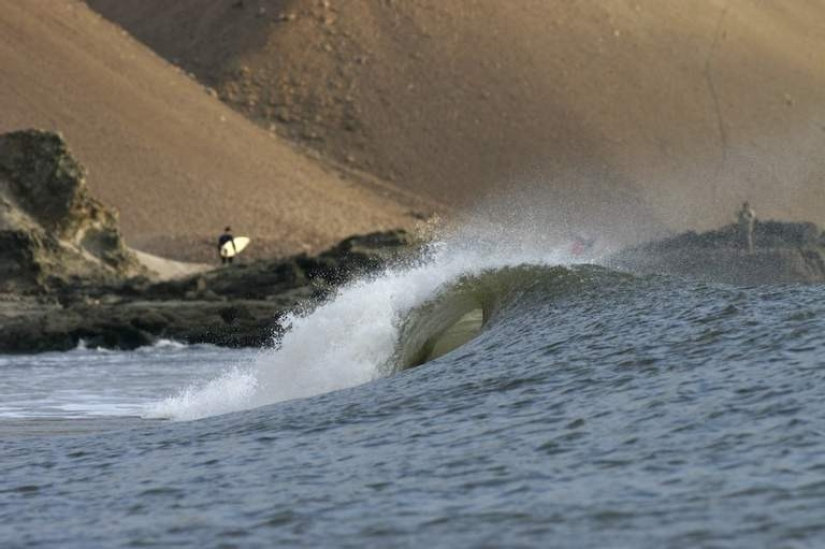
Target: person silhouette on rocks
(223,252)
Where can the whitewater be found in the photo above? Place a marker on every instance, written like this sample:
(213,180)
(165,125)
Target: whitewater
(584,408)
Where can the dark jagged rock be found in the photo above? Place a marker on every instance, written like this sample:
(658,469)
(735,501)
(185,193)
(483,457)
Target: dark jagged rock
(52,232)
(784,252)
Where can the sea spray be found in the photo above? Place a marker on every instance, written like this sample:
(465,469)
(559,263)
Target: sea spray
(220,395)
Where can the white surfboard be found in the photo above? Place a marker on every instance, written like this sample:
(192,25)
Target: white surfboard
(241,242)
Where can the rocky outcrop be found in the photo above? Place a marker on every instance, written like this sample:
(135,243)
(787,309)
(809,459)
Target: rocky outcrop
(238,305)
(783,252)
(53,234)
(270,279)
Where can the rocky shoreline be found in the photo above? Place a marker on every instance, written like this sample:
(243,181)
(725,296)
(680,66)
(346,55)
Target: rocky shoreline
(236,306)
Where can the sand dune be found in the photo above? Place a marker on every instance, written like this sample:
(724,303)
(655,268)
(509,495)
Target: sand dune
(672,110)
(176,162)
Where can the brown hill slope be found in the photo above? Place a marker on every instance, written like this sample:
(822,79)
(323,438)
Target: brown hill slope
(690,106)
(176,162)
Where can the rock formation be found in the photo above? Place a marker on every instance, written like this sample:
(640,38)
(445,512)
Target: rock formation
(785,252)
(52,232)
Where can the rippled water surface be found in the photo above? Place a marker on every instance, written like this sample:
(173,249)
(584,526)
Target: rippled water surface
(594,410)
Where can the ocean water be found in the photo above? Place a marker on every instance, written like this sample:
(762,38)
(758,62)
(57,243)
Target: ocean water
(590,409)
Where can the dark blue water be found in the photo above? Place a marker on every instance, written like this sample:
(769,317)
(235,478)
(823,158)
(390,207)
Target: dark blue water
(594,410)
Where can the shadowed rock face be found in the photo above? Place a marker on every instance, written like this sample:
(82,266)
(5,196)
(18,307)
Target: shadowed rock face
(51,230)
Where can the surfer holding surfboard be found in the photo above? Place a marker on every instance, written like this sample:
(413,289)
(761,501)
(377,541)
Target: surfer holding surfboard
(229,246)
(226,242)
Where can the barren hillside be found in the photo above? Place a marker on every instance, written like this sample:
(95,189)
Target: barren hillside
(684,108)
(176,162)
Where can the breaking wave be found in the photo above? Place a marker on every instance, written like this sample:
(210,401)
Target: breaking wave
(379,326)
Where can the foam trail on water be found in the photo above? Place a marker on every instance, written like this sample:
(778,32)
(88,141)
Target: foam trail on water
(220,395)
(344,343)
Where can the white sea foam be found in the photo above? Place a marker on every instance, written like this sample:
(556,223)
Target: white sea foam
(344,342)
(83,347)
(168,344)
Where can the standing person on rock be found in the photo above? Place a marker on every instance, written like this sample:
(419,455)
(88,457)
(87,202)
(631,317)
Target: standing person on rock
(747,219)
(223,239)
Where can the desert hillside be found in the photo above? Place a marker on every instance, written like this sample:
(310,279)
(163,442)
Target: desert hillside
(177,163)
(609,107)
